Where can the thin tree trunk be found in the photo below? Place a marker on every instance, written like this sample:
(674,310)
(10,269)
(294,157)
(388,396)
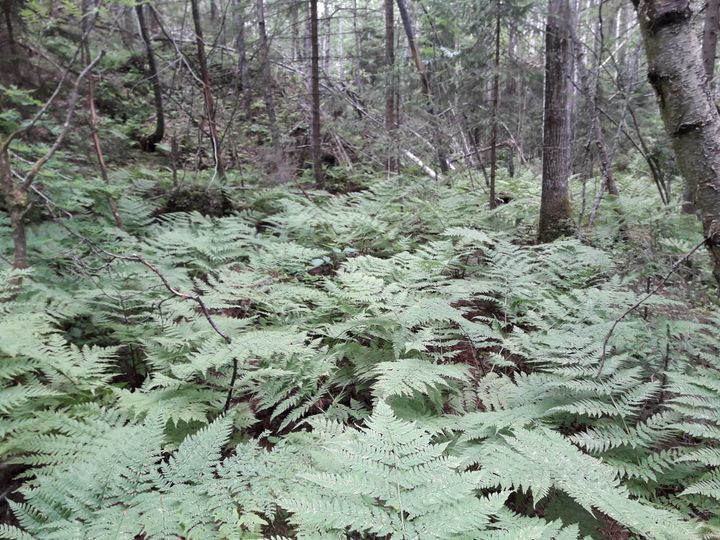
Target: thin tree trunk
(93,114)
(267,75)
(494,112)
(17,204)
(13,61)
(424,82)
(294,22)
(243,79)
(315,95)
(710,37)
(390,120)
(557,151)
(214,13)
(207,91)
(592,89)
(358,49)
(149,142)
(677,73)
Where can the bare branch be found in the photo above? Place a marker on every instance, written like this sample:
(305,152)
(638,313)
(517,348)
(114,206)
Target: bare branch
(40,163)
(644,299)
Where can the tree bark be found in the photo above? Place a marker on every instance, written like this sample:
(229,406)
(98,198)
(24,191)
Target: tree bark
(555,218)
(149,142)
(267,75)
(677,74)
(709,48)
(207,90)
(17,203)
(13,61)
(315,95)
(591,87)
(390,120)
(424,82)
(243,79)
(494,112)
(710,36)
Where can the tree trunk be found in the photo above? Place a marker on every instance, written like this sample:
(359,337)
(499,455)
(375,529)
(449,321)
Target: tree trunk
(424,82)
(243,79)
(677,74)
(591,87)
(267,75)
(149,142)
(207,91)
(358,50)
(13,60)
(390,120)
(710,36)
(557,151)
(315,95)
(709,46)
(16,201)
(92,116)
(494,112)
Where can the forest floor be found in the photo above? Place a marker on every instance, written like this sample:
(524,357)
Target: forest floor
(292,311)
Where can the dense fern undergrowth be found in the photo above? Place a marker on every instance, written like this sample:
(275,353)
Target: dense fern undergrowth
(402,363)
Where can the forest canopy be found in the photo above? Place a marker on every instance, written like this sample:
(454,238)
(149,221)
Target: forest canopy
(359,269)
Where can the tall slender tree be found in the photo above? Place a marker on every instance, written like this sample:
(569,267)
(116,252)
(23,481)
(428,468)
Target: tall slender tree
(494,112)
(207,90)
(93,116)
(243,69)
(424,84)
(390,84)
(149,142)
(555,218)
(267,74)
(315,135)
(710,36)
(12,58)
(676,72)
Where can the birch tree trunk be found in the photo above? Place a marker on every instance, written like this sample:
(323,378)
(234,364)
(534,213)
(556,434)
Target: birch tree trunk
(710,36)
(677,73)
(557,150)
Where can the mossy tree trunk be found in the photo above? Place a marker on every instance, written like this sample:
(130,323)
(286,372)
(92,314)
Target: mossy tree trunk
(677,73)
(555,218)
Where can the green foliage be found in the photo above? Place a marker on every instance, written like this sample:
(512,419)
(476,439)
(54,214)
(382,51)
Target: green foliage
(402,365)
